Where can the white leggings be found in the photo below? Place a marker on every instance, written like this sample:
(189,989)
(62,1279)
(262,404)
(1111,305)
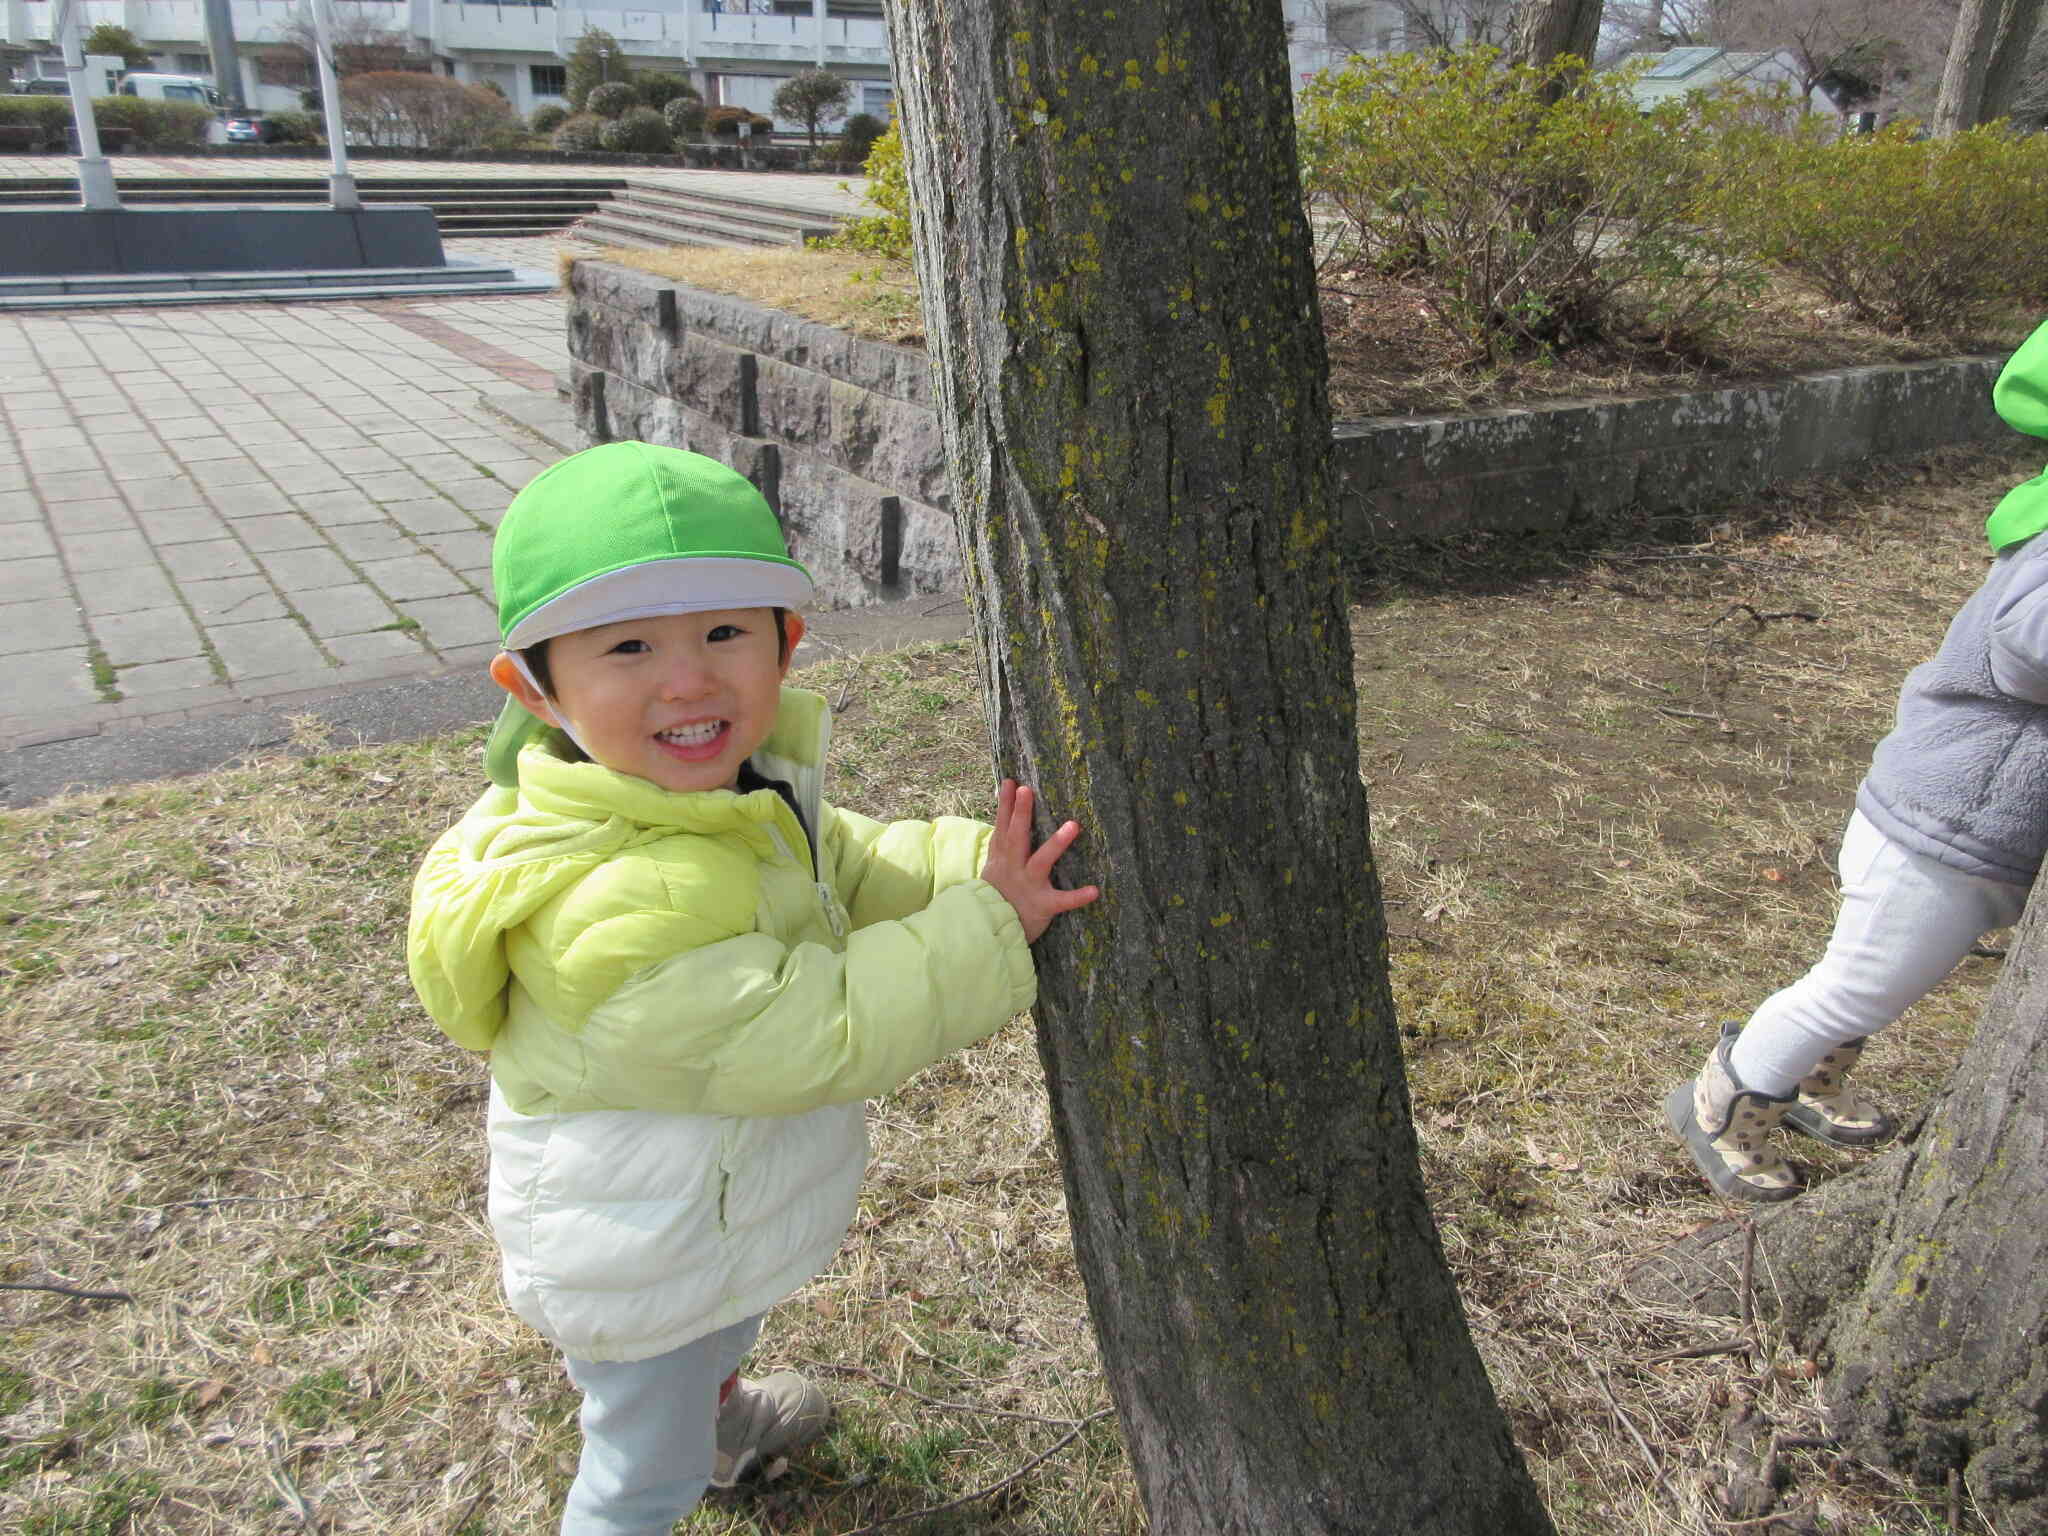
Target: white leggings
(1905,923)
(650,1435)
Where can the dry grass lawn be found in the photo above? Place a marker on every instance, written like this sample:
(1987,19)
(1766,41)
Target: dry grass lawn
(1606,784)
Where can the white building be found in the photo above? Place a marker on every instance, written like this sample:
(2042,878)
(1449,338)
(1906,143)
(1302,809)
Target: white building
(735,51)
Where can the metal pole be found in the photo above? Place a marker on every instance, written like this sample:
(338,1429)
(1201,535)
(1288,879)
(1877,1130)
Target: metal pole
(219,16)
(95,176)
(341,185)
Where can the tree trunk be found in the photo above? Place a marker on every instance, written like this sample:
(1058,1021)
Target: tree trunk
(1917,1283)
(1129,375)
(1936,1358)
(1986,55)
(2018,21)
(1546,28)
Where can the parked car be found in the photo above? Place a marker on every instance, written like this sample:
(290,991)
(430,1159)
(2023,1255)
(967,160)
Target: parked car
(251,128)
(44,88)
(193,88)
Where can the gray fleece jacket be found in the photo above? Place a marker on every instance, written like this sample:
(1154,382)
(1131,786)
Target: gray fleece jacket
(1963,776)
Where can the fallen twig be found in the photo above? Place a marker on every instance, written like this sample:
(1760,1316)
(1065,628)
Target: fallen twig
(64,1290)
(1702,1351)
(982,1493)
(1761,619)
(1649,1456)
(179,1205)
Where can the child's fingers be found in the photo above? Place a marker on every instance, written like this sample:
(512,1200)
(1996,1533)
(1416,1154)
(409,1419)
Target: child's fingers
(1049,851)
(1068,901)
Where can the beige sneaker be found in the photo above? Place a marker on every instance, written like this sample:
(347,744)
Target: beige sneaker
(1726,1127)
(765,1419)
(1830,1110)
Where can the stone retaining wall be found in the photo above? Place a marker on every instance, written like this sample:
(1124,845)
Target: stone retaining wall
(840,435)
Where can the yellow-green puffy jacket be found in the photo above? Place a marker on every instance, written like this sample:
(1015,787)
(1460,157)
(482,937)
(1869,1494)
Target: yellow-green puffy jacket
(683,1017)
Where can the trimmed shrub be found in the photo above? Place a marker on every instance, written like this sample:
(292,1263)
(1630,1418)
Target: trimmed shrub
(1541,207)
(612,99)
(578,135)
(725,122)
(417,111)
(548,118)
(640,131)
(158,124)
(657,88)
(857,137)
(684,116)
(294,127)
(812,97)
(49,116)
(887,233)
(1912,236)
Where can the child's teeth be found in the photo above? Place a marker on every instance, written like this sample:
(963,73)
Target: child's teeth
(692,735)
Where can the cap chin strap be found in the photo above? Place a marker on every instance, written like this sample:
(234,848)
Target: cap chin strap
(561,720)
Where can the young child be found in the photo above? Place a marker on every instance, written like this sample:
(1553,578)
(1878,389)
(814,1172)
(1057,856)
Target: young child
(1948,833)
(687,968)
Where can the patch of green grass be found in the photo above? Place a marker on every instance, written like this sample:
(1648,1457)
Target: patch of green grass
(111,1508)
(317,1399)
(155,1403)
(16,1388)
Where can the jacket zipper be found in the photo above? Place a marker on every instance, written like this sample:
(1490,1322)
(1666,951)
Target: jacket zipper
(827,897)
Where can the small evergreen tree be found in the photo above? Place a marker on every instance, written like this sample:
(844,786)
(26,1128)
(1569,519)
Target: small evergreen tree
(596,58)
(118,42)
(813,97)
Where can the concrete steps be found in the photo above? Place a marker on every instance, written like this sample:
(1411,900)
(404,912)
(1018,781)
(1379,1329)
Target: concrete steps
(107,290)
(647,216)
(496,208)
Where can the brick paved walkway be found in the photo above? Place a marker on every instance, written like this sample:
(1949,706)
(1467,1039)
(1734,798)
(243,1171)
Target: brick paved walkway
(207,509)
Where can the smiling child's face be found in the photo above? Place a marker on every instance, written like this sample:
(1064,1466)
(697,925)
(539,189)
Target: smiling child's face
(680,700)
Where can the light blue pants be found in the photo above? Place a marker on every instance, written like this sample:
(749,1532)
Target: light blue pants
(1905,923)
(650,1435)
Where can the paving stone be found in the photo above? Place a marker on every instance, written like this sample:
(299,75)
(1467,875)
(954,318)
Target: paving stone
(157,495)
(182,525)
(147,635)
(448,622)
(150,681)
(410,576)
(307,570)
(430,514)
(332,509)
(266,649)
(283,530)
(77,459)
(205,450)
(34,440)
(50,681)
(208,560)
(226,471)
(20,505)
(128,590)
(233,600)
(138,441)
(40,419)
(56,488)
(486,498)
(344,608)
(25,541)
(467,550)
(104,514)
(184,428)
(31,579)
(43,624)
(106,550)
(373,646)
(371,541)
(140,464)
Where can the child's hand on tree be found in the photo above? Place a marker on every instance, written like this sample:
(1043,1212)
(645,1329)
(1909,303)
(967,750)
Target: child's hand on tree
(1023,875)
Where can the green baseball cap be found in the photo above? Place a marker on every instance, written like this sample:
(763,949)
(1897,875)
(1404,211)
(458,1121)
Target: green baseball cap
(628,531)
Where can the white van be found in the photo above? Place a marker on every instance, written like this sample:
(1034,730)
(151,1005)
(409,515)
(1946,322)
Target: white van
(193,88)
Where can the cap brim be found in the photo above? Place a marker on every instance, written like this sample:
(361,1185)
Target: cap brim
(680,584)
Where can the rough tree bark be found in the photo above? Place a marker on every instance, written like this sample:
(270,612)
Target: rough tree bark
(1122,321)
(1986,58)
(1546,28)
(1917,1283)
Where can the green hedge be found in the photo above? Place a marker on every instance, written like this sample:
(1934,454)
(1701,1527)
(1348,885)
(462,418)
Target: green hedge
(154,124)
(1540,208)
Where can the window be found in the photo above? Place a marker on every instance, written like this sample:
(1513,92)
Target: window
(548,79)
(193,64)
(283,69)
